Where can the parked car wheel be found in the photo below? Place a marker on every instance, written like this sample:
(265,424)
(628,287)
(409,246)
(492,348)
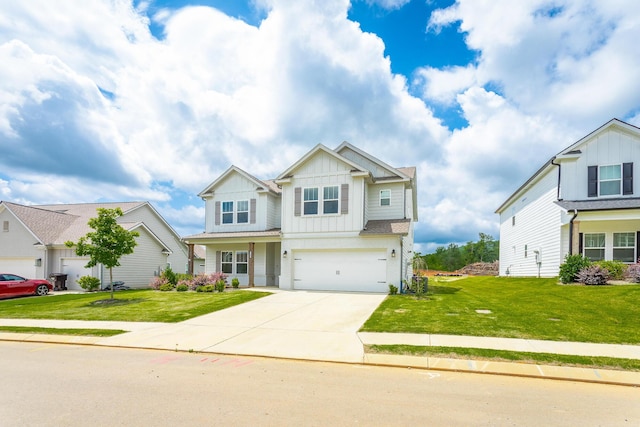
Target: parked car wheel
(42,290)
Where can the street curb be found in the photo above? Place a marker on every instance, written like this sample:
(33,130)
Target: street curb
(528,370)
(563,373)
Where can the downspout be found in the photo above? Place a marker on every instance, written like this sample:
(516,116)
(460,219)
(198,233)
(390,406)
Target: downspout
(401,263)
(575,214)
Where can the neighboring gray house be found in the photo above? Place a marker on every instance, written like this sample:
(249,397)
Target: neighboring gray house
(582,201)
(32,242)
(334,220)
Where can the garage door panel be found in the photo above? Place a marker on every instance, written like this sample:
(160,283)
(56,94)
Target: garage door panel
(363,271)
(24,267)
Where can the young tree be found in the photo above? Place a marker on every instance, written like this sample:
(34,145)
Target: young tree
(107,243)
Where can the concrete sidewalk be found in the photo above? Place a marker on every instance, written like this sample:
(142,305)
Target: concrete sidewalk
(324,326)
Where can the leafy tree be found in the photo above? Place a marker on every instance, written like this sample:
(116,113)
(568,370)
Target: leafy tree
(454,257)
(107,243)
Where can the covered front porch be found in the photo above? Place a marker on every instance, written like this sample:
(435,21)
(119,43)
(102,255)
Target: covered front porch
(604,232)
(251,257)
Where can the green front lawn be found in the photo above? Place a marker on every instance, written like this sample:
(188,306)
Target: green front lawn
(519,308)
(133,306)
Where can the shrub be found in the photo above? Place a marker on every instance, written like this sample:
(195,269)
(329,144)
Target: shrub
(235,283)
(220,284)
(183,285)
(166,287)
(208,288)
(633,273)
(393,290)
(170,276)
(157,282)
(616,268)
(593,275)
(183,277)
(217,276)
(571,266)
(89,283)
(199,280)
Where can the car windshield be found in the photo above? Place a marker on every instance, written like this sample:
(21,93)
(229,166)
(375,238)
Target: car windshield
(10,277)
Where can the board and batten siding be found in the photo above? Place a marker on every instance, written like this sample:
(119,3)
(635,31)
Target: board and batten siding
(611,147)
(179,256)
(376,169)
(273,211)
(139,268)
(537,226)
(395,210)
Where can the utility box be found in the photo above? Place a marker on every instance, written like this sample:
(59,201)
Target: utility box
(59,281)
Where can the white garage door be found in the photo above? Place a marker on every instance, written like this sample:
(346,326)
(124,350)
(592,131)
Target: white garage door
(74,269)
(25,267)
(363,271)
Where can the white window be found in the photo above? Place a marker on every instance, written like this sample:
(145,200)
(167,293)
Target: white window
(227,262)
(242,262)
(227,212)
(594,246)
(310,201)
(330,200)
(242,216)
(385,197)
(624,247)
(610,180)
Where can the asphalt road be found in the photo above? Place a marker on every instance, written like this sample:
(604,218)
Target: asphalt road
(65,385)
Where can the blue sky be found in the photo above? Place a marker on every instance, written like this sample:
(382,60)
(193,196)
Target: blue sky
(152,100)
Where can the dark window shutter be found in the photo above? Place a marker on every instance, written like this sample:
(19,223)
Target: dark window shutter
(580,243)
(344,199)
(252,211)
(627,178)
(297,195)
(593,181)
(217,214)
(218,261)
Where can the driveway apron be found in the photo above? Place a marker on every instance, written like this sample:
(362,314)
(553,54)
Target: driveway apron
(289,324)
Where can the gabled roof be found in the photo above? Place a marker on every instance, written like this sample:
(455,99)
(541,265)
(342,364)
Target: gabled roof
(392,171)
(267,185)
(569,152)
(56,224)
(318,148)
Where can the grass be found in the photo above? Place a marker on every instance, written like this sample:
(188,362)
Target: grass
(62,331)
(132,306)
(509,356)
(519,308)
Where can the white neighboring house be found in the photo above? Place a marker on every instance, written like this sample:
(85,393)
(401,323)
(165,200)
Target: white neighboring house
(335,220)
(32,242)
(582,201)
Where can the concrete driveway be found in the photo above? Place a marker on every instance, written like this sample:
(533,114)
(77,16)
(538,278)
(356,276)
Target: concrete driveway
(289,324)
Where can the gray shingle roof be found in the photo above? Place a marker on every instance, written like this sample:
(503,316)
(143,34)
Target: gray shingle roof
(599,205)
(387,226)
(234,234)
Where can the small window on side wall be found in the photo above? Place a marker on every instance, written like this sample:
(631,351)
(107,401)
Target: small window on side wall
(385,197)
(5,225)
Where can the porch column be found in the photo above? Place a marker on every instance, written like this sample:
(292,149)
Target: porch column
(575,243)
(252,256)
(190,259)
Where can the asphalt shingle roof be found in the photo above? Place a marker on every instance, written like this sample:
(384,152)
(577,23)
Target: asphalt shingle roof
(386,226)
(599,205)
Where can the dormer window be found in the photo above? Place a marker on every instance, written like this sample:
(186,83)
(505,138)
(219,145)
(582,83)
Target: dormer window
(610,180)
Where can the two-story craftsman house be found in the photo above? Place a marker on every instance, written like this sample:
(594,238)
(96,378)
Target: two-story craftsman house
(582,201)
(335,220)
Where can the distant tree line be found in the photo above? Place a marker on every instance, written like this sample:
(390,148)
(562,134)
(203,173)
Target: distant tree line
(454,257)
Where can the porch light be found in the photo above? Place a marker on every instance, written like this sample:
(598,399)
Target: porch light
(393,253)
(284,254)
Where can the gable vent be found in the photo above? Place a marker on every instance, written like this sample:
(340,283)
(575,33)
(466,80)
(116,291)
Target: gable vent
(5,225)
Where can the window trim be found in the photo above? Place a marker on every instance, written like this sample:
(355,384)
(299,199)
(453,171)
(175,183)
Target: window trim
(336,200)
(238,211)
(602,248)
(388,199)
(310,201)
(601,180)
(633,246)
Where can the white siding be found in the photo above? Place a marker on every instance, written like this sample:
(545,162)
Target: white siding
(376,170)
(396,210)
(613,146)
(537,226)
(140,267)
(266,265)
(179,256)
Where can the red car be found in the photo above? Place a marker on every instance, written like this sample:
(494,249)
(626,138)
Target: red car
(12,285)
